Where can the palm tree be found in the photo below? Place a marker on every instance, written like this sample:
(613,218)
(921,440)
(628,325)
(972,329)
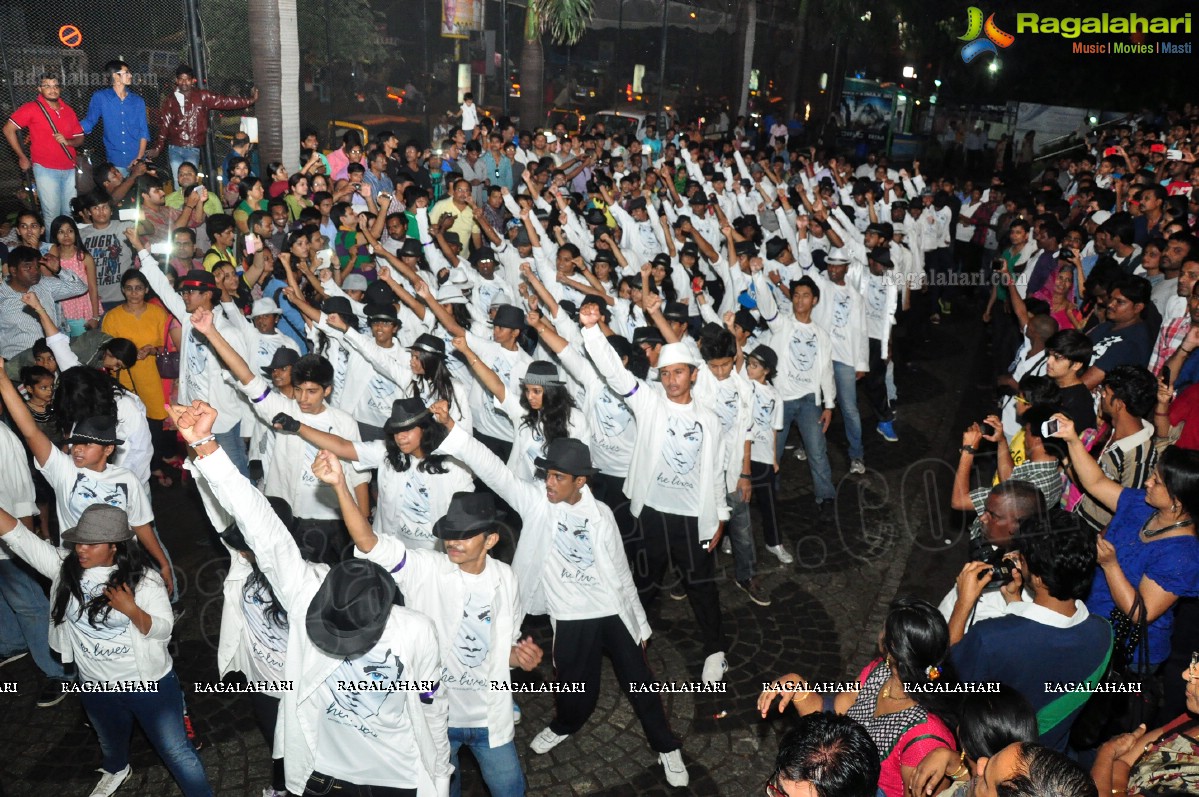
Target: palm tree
(275,57)
(565,21)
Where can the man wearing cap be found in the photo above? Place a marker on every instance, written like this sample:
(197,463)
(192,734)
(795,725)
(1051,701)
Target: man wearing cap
(679,454)
(200,373)
(368,393)
(570,563)
(642,234)
(262,436)
(319,528)
(261,335)
(368,709)
(474,602)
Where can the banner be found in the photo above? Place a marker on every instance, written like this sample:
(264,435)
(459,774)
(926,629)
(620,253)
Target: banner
(460,17)
(865,113)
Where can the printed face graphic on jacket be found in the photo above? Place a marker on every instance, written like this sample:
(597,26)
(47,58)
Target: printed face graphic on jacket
(377,666)
(841,307)
(803,349)
(473,641)
(684,438)
(88,490)
(610,414)
(572,541)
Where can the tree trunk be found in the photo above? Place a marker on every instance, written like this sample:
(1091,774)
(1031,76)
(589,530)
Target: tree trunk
(792,84)
(532,74)
(747,24)
(275,57)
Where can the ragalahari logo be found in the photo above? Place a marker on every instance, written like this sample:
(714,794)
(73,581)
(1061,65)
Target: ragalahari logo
(995,37)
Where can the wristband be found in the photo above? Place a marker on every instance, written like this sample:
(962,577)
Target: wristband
(202,441)
(968,450)
(746,476)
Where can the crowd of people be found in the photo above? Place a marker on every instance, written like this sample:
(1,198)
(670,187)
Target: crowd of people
(426,392)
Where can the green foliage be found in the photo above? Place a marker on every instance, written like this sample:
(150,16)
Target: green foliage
(564,20)
(351,31)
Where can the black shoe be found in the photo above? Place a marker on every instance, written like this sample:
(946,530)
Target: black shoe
(50,694)
(824,510)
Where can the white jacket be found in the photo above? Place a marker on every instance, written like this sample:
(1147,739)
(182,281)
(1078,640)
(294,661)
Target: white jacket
(433,586)
(149,650)
(782,325)
(651,409)
(411,635)
(706,391)
(540,522)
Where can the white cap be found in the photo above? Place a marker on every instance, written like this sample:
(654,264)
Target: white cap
(674,354)
(354,282)
(450,294)
(550,138)
(1100,216)
(264,306)
(836,255)
(458,277)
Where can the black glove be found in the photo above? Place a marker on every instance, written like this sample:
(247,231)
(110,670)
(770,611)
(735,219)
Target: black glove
(286,423)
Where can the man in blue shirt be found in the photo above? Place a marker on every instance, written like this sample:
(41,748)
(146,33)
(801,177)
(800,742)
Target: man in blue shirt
(124,115)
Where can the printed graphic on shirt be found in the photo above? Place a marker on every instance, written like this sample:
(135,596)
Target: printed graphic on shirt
(841,313)
(503,369)
(197,365)
(87,491)
(802,349)
(105,249)
(109,639)
(726,405)
(763,416)
(380,393)
(473,640)
(353,708)
(268,641)
(572,542)
(876,298)
(414,505)
(684,438)
(610,415)
(1102,346)
(341,364)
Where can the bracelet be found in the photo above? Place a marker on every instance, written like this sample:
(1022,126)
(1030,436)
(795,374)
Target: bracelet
(968,450)
(202,441)
(1161,414)
(1185,351)
(746,476)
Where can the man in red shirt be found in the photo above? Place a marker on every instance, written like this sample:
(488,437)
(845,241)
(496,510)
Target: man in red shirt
(54,132)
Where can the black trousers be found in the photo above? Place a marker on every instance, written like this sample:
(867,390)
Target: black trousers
(321,541)
(266,712)
(609,490)
(579,648)
(667,540)
(874,383)
(762,480)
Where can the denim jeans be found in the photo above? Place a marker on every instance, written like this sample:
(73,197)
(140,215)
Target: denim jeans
(55,190)
(500,765)
(235,447)
(805,413)
(178,155)
(25,617)
(846,379)
(161,716)
(741,536)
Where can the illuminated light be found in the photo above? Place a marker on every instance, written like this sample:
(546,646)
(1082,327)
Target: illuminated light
(70,35)
(917,102)
(932,100)
(937,82)
(909,72)
(823,81)
(692,15)
(807,111)
(1093,119)
(993,67)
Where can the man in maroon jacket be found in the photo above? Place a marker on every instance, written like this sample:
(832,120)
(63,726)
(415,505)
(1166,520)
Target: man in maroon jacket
(183,122)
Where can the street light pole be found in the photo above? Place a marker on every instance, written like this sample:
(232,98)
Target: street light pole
(662,58)
(504,50)
(195,44)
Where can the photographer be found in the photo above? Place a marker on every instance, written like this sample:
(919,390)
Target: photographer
(1054,562)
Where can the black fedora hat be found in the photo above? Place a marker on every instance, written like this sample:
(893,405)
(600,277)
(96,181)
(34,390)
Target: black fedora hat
(282,358)
(468,514)
(542,373)
(198,280)
(100,429)
(410,248)
(405,413)
(338,304)
(675,311)
(596,217)
(510,316)
(428,343)
(349,611)
(379,292)
(381,312)
(766,356)
(567,455)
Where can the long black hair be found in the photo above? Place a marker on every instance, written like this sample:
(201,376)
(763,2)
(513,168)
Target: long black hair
(257,583)
(132,566)
(431,436)
(85,393)
(435,381)
(916,640)
(554,415)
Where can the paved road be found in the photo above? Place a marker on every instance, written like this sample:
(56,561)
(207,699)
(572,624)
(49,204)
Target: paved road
(893,530)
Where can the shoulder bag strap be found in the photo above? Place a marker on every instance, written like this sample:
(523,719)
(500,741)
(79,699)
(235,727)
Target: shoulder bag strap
(53,128)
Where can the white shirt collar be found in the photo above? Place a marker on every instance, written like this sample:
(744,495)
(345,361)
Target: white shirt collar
(1039,614)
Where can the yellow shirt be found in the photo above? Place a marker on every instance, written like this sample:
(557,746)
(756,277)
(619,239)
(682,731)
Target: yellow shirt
(464,223)
(148,330)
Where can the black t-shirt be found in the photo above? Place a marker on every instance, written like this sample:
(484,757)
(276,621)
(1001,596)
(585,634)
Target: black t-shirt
(1078,403)
(1128,346)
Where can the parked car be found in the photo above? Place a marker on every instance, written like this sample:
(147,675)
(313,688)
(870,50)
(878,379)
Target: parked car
(624,123)
(369,126)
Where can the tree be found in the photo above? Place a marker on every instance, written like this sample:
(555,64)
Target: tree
(276,61)
(565,21)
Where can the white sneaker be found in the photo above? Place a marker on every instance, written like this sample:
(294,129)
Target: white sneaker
(515,713)
(782,554)
(726,546)
(715,667)
(110,782)
(545,741)
(801,454)
(857,466)
(676,770)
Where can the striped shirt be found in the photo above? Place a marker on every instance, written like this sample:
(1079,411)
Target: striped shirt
(18,329)
(1168,340)
(1128,461)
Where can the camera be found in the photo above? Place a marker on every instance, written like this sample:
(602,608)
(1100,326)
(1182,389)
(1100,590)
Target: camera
(997,264)
(1001,572)
(1049,428)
